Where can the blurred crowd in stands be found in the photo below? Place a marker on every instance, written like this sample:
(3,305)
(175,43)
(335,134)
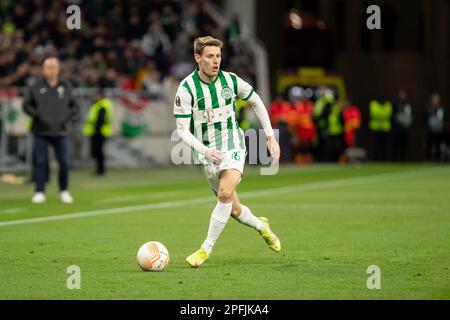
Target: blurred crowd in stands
(143,45)
(323,129)
(130,44)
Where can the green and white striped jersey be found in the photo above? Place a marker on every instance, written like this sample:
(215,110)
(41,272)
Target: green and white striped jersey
(211,108)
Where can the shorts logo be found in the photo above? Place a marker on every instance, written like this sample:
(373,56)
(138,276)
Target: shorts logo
(177,101)
(236,156)
(226,93)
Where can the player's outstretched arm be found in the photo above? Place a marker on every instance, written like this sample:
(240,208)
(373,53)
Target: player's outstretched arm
(263,116)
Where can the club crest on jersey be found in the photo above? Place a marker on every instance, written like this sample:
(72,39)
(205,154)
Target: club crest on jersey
(226,93)
(60,90)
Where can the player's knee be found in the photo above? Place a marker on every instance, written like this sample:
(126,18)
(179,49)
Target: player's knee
(225,194)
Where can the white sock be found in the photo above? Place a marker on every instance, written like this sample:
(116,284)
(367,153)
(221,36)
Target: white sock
(219,219)
(248,218)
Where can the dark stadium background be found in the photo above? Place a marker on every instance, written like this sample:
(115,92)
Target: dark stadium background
(411,51)
(336,221)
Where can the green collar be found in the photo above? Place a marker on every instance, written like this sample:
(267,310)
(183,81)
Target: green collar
(197,76)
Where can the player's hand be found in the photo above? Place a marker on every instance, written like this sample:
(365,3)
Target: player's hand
(214,155)
(274,148)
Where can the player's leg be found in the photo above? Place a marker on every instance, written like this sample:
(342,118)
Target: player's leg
(62,156)
(41,146)
(244,215)
(228,181)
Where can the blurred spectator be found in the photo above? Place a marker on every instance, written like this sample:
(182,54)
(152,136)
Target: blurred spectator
(171,22)
(280,115)
(435,117)
(401,126)
(380,125)
(149,77)
(335,133)
(115,43)
(322,108)
(279,110)
(109,79)
(135,28)
(305,130)
(156,44)
(98,127)
(352,122)
(233,33)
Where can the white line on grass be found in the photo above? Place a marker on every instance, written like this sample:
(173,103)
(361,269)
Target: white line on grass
(366,206)
(140,197)
(266,192)
(12,211)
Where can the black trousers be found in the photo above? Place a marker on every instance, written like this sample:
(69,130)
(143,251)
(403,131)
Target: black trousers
(34,165)
(400,146)
(379,145)
(59,144)
(321,147)
(334,148)
(98,153)
(434,141)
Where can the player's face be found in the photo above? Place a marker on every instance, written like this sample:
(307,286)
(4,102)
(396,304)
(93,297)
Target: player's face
(209,61)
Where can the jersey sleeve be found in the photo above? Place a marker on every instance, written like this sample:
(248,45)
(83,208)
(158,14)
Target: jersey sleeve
(245,90)
(182,106)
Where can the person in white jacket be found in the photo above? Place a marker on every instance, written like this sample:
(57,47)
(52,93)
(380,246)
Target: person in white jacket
(204,109)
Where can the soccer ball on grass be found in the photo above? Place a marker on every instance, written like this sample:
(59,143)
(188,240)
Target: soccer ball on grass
(153,256)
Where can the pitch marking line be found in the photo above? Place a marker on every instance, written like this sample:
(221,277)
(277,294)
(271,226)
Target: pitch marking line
(12,211)
(267,192)
(139,197)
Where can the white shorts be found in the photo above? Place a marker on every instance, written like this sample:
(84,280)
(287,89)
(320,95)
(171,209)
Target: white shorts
(232,160)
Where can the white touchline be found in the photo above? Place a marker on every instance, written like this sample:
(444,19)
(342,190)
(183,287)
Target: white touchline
(266,192)
(139,197)
(367,206)
(11,211)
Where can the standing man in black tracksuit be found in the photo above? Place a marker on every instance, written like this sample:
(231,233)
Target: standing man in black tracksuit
(52,106)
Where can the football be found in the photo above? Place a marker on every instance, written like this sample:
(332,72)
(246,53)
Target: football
(153,256)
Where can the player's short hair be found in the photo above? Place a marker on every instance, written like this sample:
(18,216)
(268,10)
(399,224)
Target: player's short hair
(208,41)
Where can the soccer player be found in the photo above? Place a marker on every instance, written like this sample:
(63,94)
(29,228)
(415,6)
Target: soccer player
(205,103)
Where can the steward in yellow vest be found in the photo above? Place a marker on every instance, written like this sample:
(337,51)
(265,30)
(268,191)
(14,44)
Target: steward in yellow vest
(380,116)
(335,121)
(335,138)
(380,126)
(322,109)
(98,127)
(98,121)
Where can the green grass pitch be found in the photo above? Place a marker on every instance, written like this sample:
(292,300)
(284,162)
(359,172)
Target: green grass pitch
(334,222)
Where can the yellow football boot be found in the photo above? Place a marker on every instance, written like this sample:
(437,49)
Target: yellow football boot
(271,238)
(196,259)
